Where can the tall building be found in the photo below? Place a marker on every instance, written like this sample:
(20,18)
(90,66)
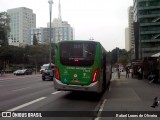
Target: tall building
(127,39)
(62,30)
(65,32)
(42,35)
(131,29)
(22,20)
(147,16)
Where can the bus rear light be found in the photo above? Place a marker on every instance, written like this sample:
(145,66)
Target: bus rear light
(95,75)
(57,73)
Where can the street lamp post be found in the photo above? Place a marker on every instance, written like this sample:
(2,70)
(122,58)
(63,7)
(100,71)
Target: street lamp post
(50,13)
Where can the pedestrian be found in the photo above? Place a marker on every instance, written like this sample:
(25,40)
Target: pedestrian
(154,76)
(118,72)
(127,72)
(139,73)
(131,71)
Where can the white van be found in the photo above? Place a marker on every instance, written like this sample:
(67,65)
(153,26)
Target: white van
(44,67)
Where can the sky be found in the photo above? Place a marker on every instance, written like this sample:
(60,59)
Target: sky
(103,20)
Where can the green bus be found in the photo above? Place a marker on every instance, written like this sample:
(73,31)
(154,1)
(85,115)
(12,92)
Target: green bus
(81,65)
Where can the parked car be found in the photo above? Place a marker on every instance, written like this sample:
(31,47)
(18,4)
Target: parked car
(28,72)
(15,72)
(23,72)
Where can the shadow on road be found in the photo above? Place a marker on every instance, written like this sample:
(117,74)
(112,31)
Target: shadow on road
(86,96)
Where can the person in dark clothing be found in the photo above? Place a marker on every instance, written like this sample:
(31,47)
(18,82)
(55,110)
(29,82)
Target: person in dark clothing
(127,72)
(156,75)
(139,73)
(131,71)
(118,73)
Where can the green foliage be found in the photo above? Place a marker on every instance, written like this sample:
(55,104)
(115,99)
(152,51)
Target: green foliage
(29,55)
(4,28)
(123,60)
(35,41)
(119,56)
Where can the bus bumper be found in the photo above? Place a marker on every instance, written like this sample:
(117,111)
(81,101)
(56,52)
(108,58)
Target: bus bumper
(93,87)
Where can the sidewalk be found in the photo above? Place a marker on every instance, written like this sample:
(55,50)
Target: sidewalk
(127,95)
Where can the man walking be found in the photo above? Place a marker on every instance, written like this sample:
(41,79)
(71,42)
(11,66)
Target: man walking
(139,73)
(127,72)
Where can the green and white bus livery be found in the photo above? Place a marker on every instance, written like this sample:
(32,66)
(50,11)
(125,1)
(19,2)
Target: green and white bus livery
(81,66)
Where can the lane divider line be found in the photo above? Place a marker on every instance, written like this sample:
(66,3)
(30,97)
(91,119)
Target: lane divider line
(26,104)
(55,92)
(100,110)
(21,89)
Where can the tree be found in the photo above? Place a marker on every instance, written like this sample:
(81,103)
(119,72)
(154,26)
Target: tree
(4,28)
(114,55)
(119,56)
(35,41)
(25,56)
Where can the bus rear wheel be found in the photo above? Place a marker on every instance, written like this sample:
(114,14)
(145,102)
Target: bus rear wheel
(43,78)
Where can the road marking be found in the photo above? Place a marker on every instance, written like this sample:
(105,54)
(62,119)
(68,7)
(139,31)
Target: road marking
(100,110)
(26,104)
(21,89)
(55,92)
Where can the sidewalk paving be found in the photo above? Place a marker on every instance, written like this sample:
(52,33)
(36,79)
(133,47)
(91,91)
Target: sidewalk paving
(127,95)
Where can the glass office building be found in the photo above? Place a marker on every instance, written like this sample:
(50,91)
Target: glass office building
(147,15)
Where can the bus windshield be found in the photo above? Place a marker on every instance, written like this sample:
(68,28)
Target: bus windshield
(77,53)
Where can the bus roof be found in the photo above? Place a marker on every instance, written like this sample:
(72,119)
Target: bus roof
(79,41)
(82,41)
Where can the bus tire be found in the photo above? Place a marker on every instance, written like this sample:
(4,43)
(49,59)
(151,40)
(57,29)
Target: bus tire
(51,79)
(104,86)
(43,78)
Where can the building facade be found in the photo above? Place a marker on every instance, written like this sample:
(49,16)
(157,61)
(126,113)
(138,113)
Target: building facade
(131,29)
(21,21)
(147,15)
(62,33)
(127,39)
(61,30)
(42,35)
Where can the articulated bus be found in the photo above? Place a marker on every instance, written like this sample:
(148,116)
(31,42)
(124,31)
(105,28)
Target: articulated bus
(81,65)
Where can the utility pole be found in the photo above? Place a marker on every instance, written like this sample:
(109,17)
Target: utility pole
(50,11)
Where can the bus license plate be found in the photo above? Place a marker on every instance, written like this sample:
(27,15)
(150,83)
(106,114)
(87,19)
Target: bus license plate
(75,81)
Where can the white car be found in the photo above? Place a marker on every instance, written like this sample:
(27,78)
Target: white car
(45,67)
(15,72)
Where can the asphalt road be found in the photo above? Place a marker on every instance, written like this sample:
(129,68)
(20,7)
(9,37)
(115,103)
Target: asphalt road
(30,93)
